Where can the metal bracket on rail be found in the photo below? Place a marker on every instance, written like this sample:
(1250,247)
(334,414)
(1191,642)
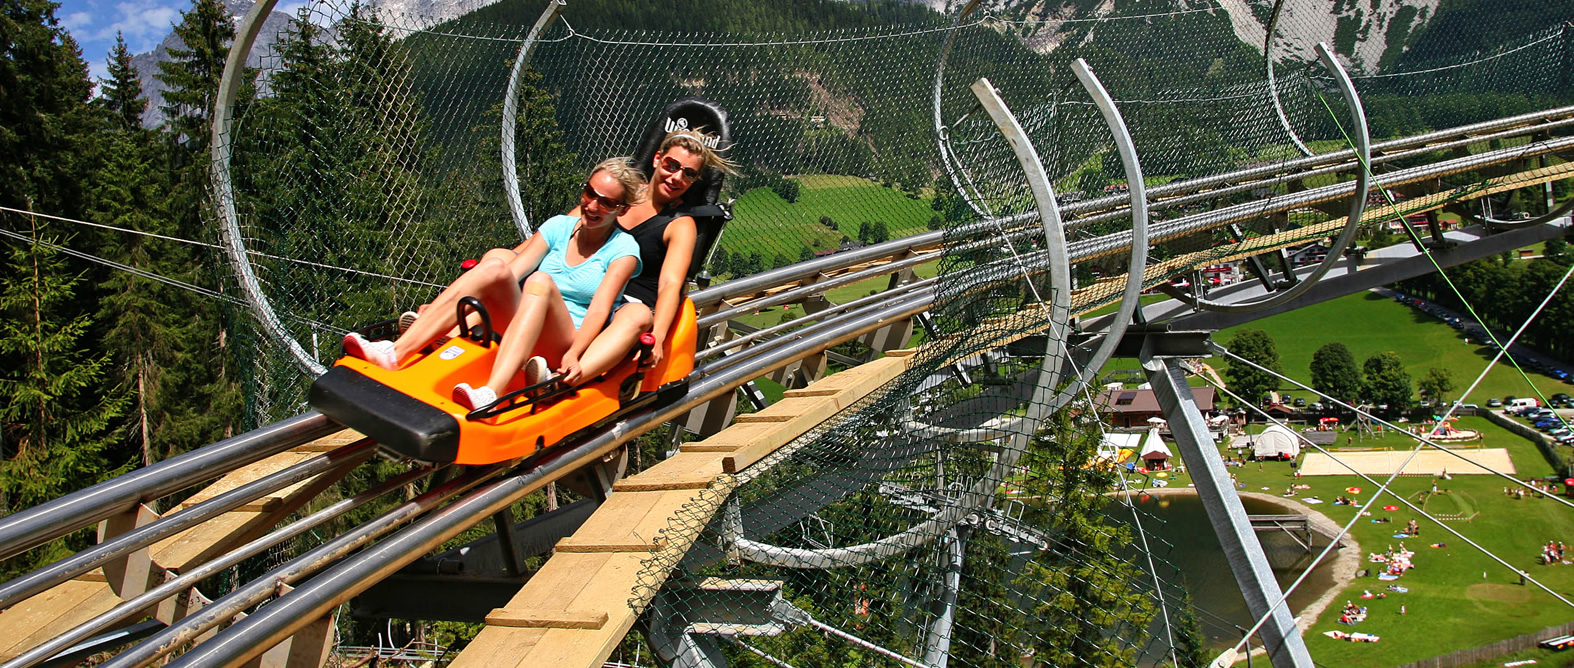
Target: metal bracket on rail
(1160,342)
(135,572)
(895,335)
(308,647)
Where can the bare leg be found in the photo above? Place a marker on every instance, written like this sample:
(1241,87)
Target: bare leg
(542,318)
(491,282)
(615,342)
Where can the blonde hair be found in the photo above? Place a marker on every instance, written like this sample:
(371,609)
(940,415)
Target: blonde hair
(619,169)
(694,142)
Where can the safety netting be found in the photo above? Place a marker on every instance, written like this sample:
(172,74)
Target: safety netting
(961,511)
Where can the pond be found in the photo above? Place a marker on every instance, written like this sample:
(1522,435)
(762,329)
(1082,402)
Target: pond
(1195,553)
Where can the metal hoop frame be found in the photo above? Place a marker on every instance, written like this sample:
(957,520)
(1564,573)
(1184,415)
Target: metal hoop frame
(1039,406)
(1363,180)
(224,189)
(516,206)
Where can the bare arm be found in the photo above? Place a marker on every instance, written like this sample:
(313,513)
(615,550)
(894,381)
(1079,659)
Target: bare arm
(528,257)
(618,274)
(680,237)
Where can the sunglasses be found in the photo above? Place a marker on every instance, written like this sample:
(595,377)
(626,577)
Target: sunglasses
(605,202)
(672,166)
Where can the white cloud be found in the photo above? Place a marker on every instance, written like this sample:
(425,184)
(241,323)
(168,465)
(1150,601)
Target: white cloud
(77,21)
(143,26)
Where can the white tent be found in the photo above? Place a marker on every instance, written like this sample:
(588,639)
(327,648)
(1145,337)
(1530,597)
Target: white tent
(1114,443)
(1153,447)
(1275,442)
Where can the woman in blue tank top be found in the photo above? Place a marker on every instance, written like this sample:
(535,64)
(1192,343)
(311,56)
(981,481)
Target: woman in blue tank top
(557,289)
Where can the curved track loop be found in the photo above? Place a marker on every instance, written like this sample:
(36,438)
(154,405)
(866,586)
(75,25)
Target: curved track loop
(1363,178)
(224,190)
(942,133)
(1273,81)
(1131,299)
(1043,402)
(516,207)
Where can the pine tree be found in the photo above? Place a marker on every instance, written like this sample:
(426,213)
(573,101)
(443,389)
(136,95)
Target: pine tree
(191,75)
(57,413)
(206,383)
(121,95)
(45,122)
(140,318)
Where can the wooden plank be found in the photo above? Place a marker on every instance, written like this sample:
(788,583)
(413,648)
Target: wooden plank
(497,646)
(702,446)
(684,471)
(531,618)
(246,474)
(740,434)
(634,519)
(815,409)
(560,579)
(667,483)
(52,613)
(330,442)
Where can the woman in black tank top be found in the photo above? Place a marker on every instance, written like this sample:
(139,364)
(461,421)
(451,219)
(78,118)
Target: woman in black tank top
(666,243)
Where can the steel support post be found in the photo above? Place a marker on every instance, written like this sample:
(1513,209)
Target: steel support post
(307,648)
(1285,645)
(895,335)
(714,415)
(134,572)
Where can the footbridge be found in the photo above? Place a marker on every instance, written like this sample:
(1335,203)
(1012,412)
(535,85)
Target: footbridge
(911,495)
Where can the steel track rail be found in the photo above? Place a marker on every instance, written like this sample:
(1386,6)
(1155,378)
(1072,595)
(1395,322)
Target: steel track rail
(36,582)
(138,605)
(1161,197)
(35,526)
(277,580)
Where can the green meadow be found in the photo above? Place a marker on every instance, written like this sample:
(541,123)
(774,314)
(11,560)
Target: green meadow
(763,222)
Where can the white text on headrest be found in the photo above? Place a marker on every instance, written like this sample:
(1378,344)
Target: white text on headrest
(680,123)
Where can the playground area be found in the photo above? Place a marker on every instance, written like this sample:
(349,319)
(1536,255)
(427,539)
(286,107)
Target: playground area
(1461,462)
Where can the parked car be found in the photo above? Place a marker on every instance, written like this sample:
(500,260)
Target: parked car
(1300,403)
(1560,397)
(1494,402)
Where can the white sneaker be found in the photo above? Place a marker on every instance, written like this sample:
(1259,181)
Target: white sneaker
(380,353)
(473,397)
(407,320)
(535,370)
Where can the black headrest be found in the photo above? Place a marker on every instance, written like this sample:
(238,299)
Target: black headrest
(689,113)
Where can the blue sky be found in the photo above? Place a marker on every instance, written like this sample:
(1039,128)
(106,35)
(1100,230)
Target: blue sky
(93,23)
